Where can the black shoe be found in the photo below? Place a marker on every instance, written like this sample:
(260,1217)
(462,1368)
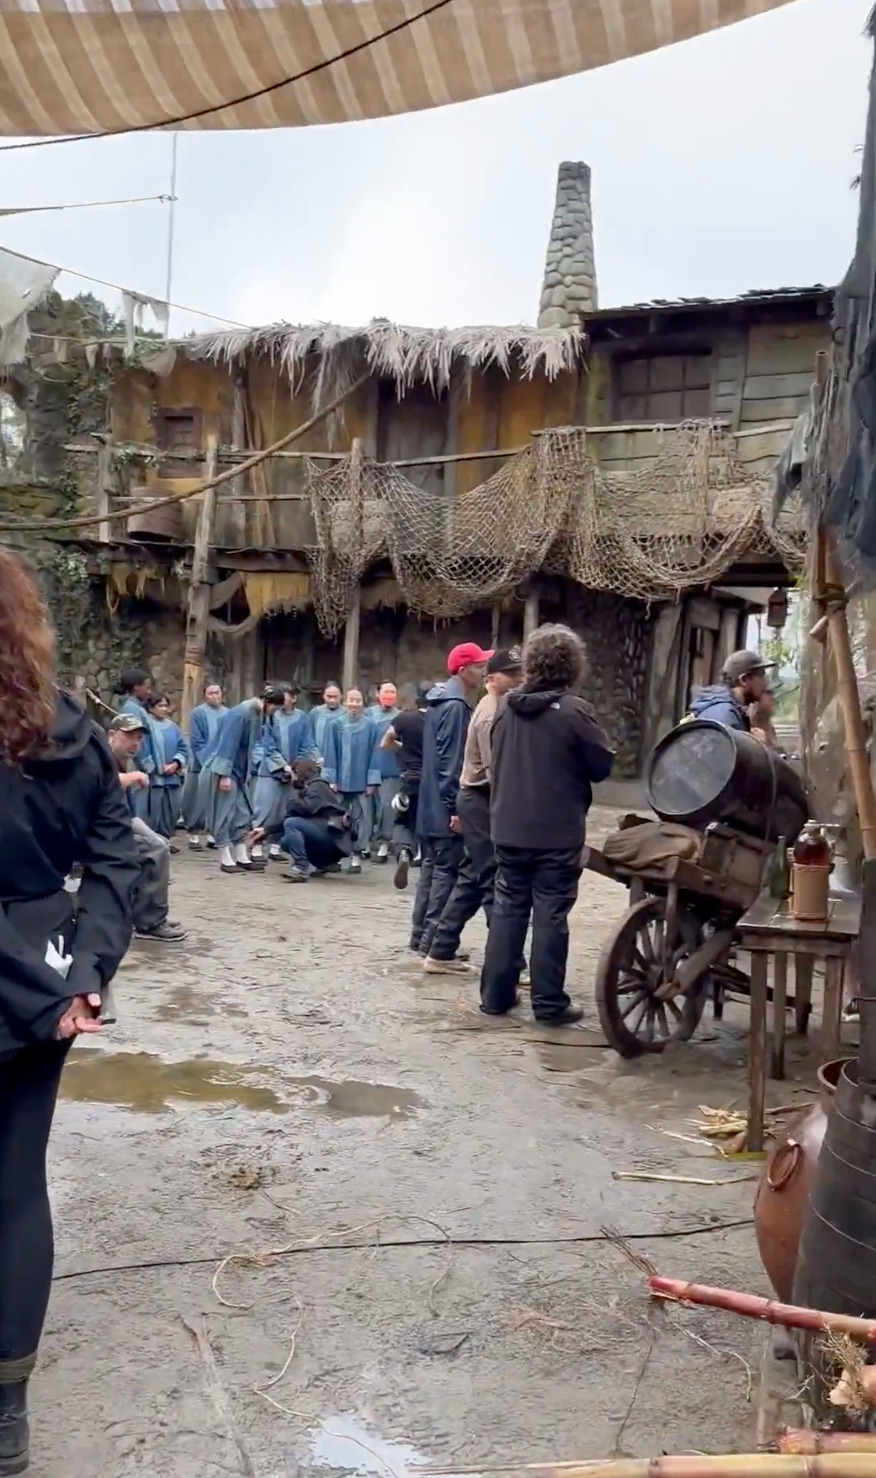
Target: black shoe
(566,1017)
(167,933)
(486,1010)
(295,875)
(402,868)
(14,1429)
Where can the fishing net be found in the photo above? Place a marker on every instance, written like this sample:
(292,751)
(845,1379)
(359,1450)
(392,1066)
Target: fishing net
(682,521)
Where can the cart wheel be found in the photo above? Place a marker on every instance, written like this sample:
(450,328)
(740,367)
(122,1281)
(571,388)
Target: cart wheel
(631,970)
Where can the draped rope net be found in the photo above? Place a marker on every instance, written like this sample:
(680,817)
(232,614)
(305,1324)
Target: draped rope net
(680,522)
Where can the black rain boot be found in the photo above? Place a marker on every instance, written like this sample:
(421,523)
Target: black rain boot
(14,1429)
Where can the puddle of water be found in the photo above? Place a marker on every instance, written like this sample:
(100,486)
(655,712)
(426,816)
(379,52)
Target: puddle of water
(185,1004)
(351,1100)
(344,1442)
(141,1081)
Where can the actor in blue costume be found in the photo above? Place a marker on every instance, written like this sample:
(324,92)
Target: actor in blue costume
(231,769)
(352,766)
(293,737)
(382,714)
(169,780)
(136,687)
(204,724)
(324,715)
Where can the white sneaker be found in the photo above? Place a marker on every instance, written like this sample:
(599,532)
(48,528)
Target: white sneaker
(274,852)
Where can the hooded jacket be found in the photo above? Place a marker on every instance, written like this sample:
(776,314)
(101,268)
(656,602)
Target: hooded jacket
(721,705)
(448,715)
(67,806)
(547,753)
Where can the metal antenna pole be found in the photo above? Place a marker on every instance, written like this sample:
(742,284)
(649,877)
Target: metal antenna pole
(170,223)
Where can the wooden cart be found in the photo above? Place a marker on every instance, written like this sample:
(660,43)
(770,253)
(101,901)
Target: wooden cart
(671,951)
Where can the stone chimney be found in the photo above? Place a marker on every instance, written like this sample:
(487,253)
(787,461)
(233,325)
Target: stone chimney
(569,288)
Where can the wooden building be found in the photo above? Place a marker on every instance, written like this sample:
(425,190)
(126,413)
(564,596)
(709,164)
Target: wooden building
(458,427)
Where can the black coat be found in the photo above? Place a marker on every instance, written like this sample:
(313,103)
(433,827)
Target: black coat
(318,802)
(68,806)
(547,752)
(448,716)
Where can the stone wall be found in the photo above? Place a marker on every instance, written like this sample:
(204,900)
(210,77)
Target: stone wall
(618,636)
(137,633)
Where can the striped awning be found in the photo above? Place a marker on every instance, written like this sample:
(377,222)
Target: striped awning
(88,66)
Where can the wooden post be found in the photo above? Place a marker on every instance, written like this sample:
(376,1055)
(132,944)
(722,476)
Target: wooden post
(198,612)
(530,614)
(351,641)
(103,477)
(350,665)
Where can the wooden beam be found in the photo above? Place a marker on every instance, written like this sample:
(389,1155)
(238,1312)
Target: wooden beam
(198,612)
(350,665)
(530,614)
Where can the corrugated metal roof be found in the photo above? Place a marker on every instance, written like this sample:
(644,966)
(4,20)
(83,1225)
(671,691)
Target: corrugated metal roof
(758,296)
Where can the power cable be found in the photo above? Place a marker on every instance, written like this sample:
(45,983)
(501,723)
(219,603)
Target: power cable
(247,97)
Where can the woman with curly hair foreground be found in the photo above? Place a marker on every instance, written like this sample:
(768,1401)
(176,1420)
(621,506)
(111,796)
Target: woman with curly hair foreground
(547,753)
(60,803)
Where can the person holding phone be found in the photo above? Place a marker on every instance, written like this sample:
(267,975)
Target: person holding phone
(61,803)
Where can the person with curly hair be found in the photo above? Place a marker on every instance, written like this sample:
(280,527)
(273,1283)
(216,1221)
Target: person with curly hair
(61,803)
(547,752)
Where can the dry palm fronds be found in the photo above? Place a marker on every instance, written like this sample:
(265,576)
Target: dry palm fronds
(807,1444)
(855,1390)
(678,1179)
(753,1307)
(393,351)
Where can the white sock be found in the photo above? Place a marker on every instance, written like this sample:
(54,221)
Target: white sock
(258,850)
(193,838)
(240,853)
(276,852)
(226,857)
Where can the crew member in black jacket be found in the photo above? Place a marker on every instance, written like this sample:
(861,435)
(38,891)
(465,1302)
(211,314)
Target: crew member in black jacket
(448,714)
(60,803)
(547,752)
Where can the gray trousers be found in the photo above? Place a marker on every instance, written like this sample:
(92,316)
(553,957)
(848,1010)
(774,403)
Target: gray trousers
(229,814)
(164,809)
(384,815)
(150,892)
(194,801)
(359,808)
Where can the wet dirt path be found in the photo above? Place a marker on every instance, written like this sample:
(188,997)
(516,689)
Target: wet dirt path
(287,1074)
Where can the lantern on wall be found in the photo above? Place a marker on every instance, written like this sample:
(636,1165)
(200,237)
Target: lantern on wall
(777,609)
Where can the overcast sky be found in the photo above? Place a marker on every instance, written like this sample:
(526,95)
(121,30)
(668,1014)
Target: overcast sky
(719,165)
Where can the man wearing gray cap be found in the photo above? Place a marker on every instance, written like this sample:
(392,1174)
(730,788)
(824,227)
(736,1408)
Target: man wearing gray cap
(149,894)
(727,703)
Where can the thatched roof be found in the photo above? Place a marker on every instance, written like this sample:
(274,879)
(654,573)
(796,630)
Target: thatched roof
(392,351)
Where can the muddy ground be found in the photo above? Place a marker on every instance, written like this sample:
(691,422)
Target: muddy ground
(288,1079)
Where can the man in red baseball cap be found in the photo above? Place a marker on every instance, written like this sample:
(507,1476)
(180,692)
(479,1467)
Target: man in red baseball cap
(448,712)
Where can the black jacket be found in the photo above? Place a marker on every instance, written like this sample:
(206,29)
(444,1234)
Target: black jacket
(444,732)
(547,753)
(316,801)
(67,806)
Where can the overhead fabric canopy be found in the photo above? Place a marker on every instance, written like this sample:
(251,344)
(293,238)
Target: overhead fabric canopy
(92,66)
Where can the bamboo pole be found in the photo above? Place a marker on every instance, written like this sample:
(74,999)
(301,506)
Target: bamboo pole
(733,1465)
(834,597)
(807,1444)
(753,1307)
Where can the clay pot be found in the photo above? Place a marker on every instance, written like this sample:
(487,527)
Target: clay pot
(783,1193)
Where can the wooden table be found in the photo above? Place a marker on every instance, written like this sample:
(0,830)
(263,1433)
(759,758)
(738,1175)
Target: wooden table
(769,929)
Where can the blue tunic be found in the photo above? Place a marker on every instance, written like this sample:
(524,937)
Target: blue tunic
(267,756)
(381,719)
(322,718)
(204,724)
(150,755)
(352,760)
(295,732)
(175,748)
(236,743)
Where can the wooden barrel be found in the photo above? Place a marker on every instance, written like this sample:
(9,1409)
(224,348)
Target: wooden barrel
(703,772)
(836,1267)
(158,525)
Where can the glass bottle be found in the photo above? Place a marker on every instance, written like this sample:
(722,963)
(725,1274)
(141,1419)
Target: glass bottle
(780,872)
(812,848)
